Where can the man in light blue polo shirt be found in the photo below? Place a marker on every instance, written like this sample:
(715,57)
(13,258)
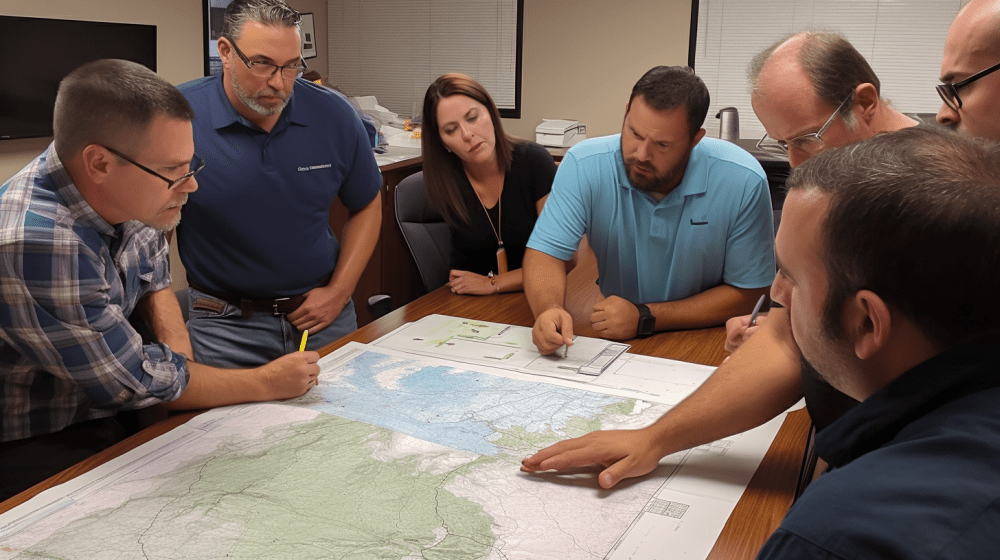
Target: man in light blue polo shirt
(681,225)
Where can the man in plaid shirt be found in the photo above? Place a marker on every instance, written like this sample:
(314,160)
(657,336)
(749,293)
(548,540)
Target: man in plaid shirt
(82,249)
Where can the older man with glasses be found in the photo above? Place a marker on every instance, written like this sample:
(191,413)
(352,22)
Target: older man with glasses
(262,263)
(81,253)
(795,82)
(814,90)
(809,143)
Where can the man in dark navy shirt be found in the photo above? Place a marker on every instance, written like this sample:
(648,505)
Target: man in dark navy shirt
(261,260)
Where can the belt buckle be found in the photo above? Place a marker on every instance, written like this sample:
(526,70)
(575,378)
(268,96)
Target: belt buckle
(276,303)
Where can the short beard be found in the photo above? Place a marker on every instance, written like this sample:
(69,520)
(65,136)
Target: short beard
(256,107)
(652,184)
(662,184)
(168,226)
(165,227)
(657,183)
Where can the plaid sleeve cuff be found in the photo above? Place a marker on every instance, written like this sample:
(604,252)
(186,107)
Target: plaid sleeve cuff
(165,372)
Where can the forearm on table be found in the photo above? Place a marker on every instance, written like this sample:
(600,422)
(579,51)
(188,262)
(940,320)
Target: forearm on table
(758,382)
(510,281)
(358,241)
(162,314)
(209,387)
(706,309)
(544,278)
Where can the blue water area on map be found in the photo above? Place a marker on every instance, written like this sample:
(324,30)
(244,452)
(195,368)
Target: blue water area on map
(452,407)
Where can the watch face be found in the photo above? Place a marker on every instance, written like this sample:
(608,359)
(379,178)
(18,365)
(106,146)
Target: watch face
(647,322)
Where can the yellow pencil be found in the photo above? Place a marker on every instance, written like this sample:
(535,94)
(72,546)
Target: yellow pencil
(305,336)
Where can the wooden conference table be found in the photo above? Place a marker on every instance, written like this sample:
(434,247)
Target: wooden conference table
(759,511)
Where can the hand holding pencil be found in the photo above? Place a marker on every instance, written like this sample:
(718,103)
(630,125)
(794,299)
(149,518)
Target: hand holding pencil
(302,348)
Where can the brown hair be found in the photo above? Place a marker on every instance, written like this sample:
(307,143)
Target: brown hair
(913,217)
(112,103)
(670,87)
(443,171)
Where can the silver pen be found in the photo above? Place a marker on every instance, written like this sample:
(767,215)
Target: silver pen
(756,310)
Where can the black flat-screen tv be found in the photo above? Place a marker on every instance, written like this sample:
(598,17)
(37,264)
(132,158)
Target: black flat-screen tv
(36,53)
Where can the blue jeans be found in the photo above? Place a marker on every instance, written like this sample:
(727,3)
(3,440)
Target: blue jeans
(226,339)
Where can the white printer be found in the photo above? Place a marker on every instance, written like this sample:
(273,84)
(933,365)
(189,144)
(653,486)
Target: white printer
(559,133)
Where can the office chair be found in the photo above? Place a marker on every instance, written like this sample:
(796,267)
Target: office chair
(425,231)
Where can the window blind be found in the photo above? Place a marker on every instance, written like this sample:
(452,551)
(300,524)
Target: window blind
(394,49)
(903,40)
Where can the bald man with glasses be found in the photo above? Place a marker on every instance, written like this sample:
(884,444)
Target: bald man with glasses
(970,81)
(795,83)
(814,90)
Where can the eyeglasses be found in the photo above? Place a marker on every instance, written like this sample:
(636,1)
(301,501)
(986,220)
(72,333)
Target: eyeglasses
(197,164)
(266,69)
(810,143)
(949,92)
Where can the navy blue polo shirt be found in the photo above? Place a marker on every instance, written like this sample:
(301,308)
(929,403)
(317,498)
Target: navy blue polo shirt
(915,469)
(258,225)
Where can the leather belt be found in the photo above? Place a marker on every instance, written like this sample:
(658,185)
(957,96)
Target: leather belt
(277,306)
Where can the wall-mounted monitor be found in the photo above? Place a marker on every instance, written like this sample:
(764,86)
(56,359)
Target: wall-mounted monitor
(36,53)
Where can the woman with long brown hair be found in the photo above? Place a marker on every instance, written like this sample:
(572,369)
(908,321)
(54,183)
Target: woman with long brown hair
(488,186)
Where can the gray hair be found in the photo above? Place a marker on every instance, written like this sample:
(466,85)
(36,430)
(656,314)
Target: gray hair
(833,65)
(112,102)
(914,216)
(276,13)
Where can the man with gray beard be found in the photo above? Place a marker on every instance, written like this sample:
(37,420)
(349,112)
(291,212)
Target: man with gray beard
(262,263)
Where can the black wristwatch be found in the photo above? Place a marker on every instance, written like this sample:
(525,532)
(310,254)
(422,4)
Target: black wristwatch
(647,323)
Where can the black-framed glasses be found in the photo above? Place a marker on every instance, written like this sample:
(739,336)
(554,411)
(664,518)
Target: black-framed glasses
(197,164)
(810,143)
(266,69)
(949,92)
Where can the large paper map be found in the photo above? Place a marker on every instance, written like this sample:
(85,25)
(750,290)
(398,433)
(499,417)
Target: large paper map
(392,456)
